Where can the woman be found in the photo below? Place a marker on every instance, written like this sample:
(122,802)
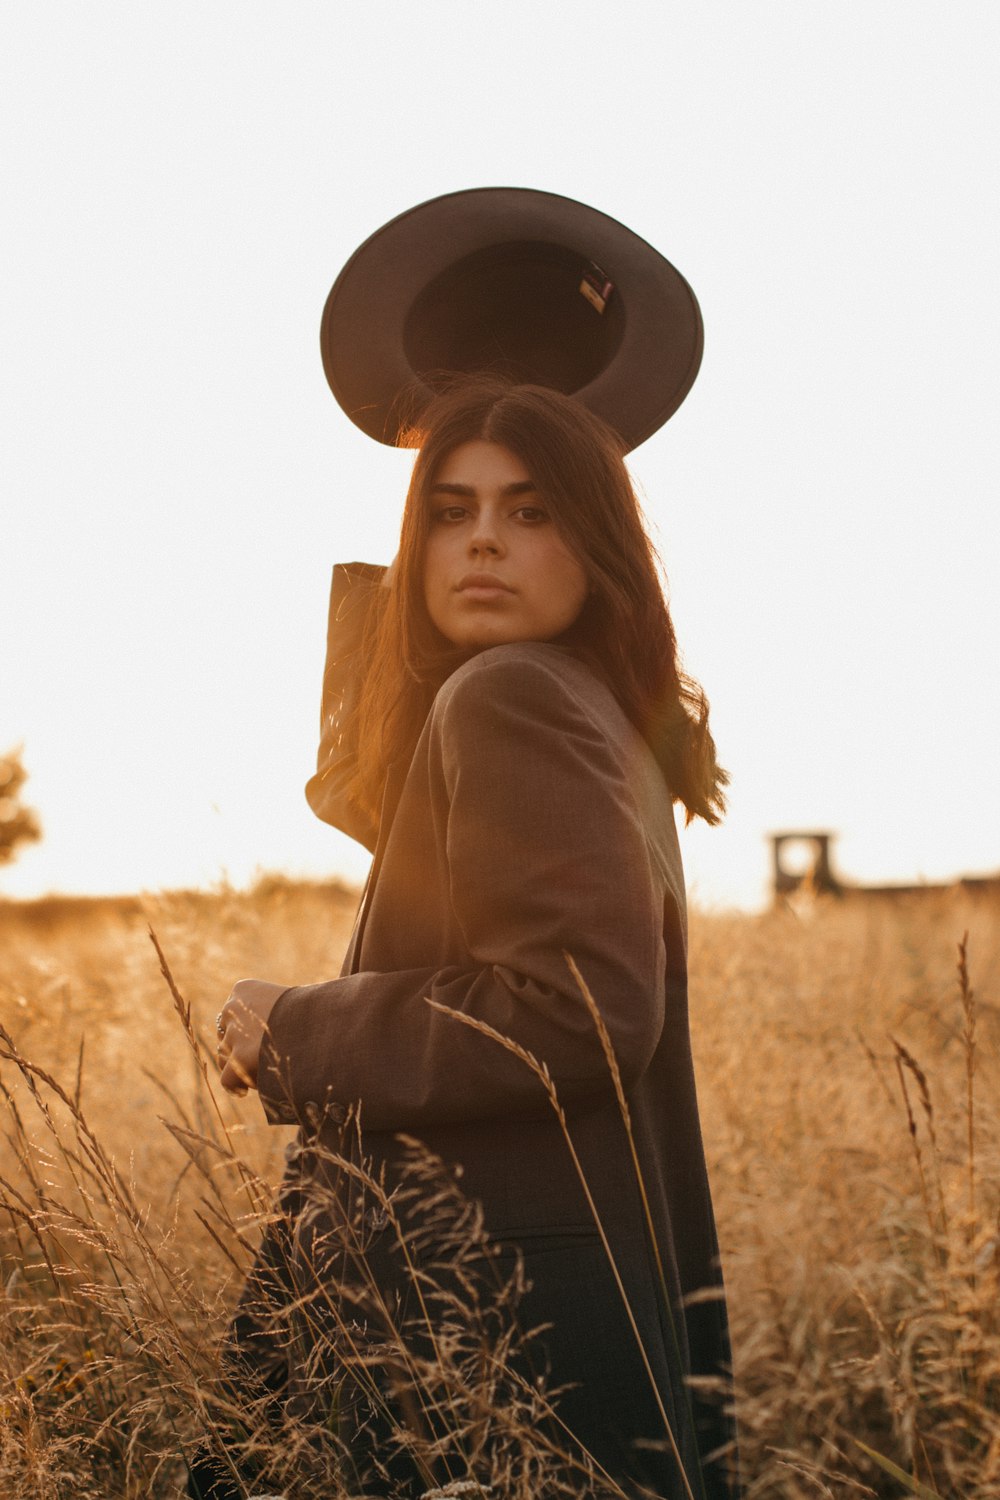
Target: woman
(521,732)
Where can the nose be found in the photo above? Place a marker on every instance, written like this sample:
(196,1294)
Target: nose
(484,539)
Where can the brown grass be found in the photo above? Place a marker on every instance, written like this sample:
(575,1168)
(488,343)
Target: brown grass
(858,1199)
(848,1067)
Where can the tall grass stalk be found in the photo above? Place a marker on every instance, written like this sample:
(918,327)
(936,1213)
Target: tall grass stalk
(969,1043)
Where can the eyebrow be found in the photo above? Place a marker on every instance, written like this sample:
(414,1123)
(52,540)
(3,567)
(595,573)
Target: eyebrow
(521,487)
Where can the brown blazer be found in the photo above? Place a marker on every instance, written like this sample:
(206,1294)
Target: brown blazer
(534,821)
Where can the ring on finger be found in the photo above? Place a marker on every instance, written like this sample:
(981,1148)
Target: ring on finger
(220,1030)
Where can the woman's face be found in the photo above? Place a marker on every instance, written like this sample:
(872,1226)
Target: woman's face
(496,568)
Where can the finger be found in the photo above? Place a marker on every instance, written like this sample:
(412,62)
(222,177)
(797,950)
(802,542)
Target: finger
(233,1008)
(235,1078)
(232,1083)
(226,1022)
(236,1020)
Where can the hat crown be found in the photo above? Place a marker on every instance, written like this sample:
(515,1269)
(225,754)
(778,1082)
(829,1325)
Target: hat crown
(516,309)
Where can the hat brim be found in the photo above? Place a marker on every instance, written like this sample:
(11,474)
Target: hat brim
(523,282)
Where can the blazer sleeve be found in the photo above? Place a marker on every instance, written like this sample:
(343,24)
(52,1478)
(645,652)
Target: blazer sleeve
(546,852)
(355,595)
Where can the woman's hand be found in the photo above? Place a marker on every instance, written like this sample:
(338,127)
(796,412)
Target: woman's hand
(241,1025)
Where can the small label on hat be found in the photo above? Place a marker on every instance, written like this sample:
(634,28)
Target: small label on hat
(596,287)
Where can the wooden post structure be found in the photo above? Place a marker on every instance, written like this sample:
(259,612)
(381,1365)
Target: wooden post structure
(818,875)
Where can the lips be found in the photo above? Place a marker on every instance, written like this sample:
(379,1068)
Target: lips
(483,583)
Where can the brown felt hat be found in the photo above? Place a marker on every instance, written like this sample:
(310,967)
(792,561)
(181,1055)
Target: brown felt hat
(524,284)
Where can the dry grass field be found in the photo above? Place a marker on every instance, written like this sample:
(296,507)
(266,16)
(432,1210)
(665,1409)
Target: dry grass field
(849,1083)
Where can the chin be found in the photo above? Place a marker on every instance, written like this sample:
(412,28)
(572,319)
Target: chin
(483,634)
(484,642)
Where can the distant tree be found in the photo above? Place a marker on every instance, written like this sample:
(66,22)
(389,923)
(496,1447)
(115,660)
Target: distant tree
(18,824)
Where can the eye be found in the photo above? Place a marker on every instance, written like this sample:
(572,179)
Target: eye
(446,515)
(532,514)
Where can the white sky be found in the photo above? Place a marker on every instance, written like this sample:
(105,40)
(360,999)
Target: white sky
(180,183)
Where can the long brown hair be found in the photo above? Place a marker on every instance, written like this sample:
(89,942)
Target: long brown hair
(624,630)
